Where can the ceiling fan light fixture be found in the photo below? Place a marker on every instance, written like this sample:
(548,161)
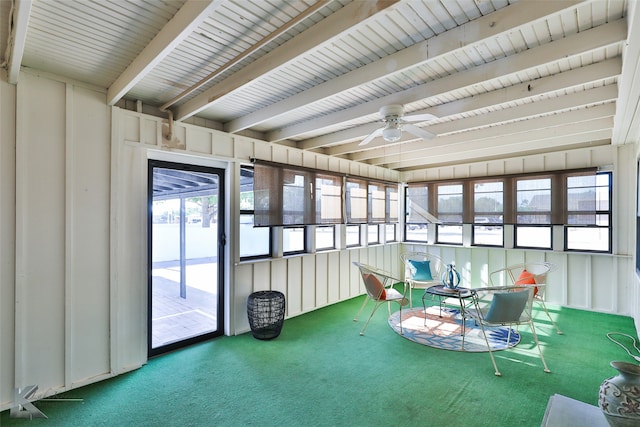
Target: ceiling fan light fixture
(391,133)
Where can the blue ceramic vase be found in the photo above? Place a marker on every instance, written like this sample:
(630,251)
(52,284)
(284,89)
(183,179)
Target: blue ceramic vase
(451,277)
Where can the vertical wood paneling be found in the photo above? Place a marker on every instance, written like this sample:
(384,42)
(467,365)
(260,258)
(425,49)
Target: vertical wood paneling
(294,286)
(131,128)
(128,308)
(557,279)
(243,148)
(333,277)
(322,293)
(308,284)
(345,275)
(278,275)
(263,150)
(149,130)
(579,280)
(355,285)
(243,286)
(603,271)
(200,141)
(40,234)
(261,276)
(7,239)
(222,145)
(579,291)
(88,198)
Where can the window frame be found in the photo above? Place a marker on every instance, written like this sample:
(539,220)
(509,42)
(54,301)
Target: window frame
(518,226)
(251,212)
(596,212)
(333,238)
(513,228)
(475,226)
(438,212)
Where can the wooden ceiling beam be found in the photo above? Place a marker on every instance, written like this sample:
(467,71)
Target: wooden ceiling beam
(495,122)
(589,74)
(603,36)
(346,19)
(181,26)
(517,133)
(472,33)
(18,39)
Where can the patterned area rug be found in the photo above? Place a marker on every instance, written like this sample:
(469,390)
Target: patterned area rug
(446,332)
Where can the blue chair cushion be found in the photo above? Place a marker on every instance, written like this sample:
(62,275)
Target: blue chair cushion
(506,307)
(421,270)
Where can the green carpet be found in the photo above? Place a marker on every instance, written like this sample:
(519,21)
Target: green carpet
(320,372)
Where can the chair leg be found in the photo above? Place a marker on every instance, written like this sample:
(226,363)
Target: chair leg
(544,307)
(535,338)
(493,360)
(370,316)
(410,295)
(366,298)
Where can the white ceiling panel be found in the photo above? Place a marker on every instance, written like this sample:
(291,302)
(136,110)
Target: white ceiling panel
(315,74)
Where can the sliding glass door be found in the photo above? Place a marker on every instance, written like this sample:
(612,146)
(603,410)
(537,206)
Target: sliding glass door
(186,245)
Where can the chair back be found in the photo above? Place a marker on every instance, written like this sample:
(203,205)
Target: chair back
(506,304)
(527,273)
(412,262)
(374,281)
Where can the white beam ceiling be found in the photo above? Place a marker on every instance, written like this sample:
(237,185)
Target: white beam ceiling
(345,19)
(188,18)
(18,37)
(574,45)
(457,38)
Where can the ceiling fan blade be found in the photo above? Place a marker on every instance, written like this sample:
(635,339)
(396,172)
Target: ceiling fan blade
(419,132)
(419,118)
(375,133)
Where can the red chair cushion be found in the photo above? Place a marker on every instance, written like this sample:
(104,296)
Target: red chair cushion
(527,278)
(374,286)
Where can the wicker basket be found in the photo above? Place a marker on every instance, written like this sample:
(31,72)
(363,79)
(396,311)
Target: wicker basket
(266,314)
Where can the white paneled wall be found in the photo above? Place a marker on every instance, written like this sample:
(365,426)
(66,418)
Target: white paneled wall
(73,192)
(598,282)
(7,237)
(61,311)
(309,281)
(585,281)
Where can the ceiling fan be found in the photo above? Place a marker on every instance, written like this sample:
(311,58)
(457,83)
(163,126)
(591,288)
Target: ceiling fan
(395,122)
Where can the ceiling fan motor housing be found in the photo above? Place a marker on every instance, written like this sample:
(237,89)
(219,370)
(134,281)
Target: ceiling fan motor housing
(389,111)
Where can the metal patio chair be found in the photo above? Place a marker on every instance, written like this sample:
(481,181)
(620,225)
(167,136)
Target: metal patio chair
(527,273)
(505,306)
(380,289)
(421,271)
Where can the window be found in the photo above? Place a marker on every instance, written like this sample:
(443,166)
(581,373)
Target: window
(325,237)
(377,199)
(328,196)
(255,242)
(417,215)
(352,235)
(295,197)
(356,200)
(292,196)
(488,208)
(390,233)
(533,213)
(449,210)
(373,234)
(392,204)
(588,213)
(293,240)
(532,205)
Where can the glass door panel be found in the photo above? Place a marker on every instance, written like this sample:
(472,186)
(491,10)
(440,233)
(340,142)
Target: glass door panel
(186,243)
